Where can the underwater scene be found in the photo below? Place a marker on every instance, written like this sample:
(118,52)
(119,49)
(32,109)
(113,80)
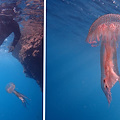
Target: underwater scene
(21,37)
(83,60)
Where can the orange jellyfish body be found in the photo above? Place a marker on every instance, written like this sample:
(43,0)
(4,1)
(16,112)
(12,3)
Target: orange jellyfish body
(107,30)
(10,87)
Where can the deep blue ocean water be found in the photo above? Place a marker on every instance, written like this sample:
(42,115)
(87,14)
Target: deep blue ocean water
(11,70)
(73,67)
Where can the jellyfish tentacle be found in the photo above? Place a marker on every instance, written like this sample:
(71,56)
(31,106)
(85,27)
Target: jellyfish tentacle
(24,101)
(109,69)
(24,96)
(21,97)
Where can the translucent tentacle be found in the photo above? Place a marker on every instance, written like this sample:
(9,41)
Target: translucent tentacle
(109,68)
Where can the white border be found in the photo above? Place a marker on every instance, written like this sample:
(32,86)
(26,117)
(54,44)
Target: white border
(44,61)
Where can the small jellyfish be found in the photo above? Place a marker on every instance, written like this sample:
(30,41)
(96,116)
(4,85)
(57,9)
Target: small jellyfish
(10,88)
(106,29)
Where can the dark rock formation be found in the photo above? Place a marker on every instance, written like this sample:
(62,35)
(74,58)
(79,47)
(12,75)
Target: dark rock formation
(29,50)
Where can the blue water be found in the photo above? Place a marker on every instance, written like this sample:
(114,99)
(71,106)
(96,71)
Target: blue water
(11,70)
(73,66)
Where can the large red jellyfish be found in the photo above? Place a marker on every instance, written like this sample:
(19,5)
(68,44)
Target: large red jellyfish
(106,29)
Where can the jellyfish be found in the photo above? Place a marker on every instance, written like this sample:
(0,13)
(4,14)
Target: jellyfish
(10,88)
(106,30)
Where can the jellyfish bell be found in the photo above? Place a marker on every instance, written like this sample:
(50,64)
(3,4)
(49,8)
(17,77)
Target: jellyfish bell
(10,87)
(105,26)
(106,29)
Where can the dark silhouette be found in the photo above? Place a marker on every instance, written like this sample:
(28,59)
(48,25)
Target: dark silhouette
(8,25)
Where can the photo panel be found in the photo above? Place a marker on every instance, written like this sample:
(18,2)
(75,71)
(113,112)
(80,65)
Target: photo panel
(21,59)
(82,59)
